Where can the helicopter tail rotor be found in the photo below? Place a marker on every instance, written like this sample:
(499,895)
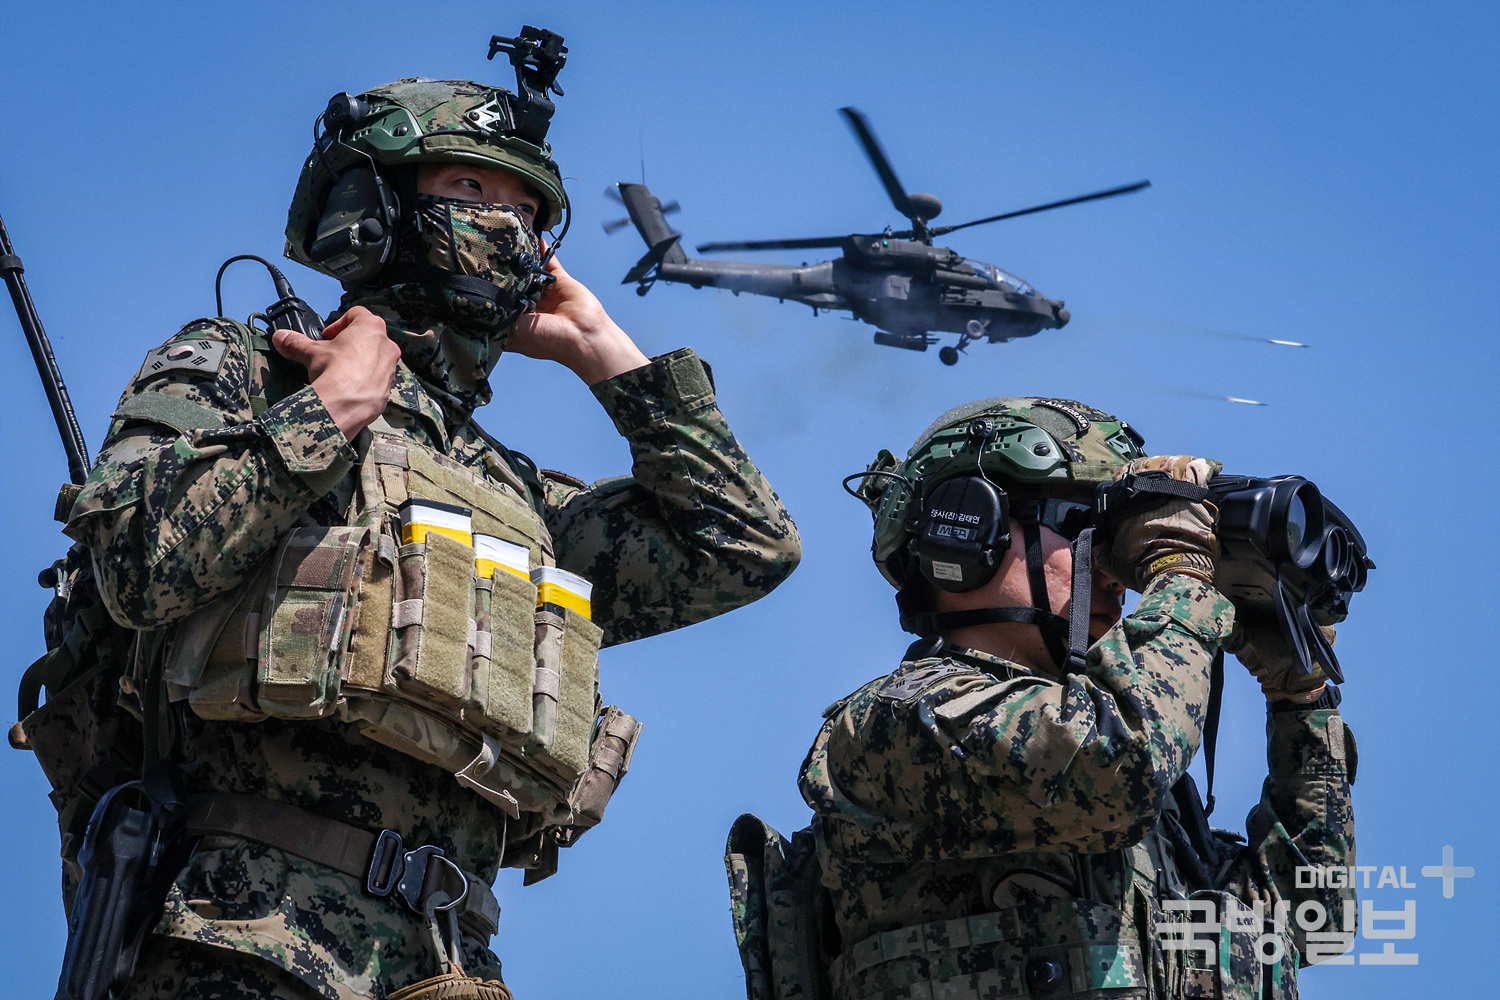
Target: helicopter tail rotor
(663,243)
(613,226)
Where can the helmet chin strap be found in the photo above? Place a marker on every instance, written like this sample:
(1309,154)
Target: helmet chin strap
(1067,639)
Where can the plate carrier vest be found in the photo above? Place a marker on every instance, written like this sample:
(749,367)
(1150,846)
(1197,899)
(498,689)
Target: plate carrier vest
(1171,941)
(470,673)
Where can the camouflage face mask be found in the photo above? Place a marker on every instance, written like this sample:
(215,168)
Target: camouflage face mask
(484,240)
(449,336)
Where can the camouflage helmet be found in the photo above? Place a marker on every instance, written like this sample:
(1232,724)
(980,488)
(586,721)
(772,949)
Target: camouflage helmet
(419,120)
(1049,446)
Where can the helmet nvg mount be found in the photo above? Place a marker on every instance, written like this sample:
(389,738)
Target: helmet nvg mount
(352,199)
(945,513)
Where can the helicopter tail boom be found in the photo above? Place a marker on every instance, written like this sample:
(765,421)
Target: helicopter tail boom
(662,241)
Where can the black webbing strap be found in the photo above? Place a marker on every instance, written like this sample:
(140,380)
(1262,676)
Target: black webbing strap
(1052,629)
(469,285)
(1198,851)
(1137,492)
(1078,609)
(1211,725)
(930,623)
(1035,571)
(495,295)
(1167,486)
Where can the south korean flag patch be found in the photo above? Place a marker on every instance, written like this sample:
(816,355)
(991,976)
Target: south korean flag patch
(201,357)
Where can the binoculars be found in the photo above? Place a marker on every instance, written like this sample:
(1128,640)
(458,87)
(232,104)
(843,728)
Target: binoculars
(1289,557)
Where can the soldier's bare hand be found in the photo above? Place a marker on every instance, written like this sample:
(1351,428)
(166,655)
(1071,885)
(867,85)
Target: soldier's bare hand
(570,326)
(352,369)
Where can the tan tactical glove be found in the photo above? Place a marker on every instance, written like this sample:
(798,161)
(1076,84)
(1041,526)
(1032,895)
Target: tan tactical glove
(1177,537)
(1265,654)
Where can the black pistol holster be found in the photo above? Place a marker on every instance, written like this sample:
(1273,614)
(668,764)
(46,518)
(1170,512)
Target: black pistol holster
(132,851)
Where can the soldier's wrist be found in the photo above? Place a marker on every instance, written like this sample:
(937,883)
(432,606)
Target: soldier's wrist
(606,352)
(1329,697)
(1198,565)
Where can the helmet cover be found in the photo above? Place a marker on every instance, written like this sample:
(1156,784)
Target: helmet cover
(418,120)
(1047,446)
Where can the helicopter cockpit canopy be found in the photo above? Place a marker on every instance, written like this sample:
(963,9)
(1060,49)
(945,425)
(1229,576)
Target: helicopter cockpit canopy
(1002,280)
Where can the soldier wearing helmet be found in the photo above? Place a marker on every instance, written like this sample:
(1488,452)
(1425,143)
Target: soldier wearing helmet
(364,674)
(1008,812)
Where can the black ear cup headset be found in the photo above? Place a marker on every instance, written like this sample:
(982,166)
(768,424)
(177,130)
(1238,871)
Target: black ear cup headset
(358,193)
(960,531)
(365,212)
(361,214)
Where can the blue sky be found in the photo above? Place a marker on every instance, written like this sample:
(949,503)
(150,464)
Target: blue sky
(1321,173)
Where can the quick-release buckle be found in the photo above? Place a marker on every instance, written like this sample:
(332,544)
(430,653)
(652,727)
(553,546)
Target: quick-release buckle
(413,875)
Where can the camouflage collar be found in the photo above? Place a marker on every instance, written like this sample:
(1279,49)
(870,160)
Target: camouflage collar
(409,395)
(990,664)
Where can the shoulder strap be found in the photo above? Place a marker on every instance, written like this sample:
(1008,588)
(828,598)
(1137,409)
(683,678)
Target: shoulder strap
(1211,724)
(524,468)
(782,923)
(282,377)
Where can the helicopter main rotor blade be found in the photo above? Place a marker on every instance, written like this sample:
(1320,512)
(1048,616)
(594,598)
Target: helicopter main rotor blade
(1125,189)
(878,159)
(807,244)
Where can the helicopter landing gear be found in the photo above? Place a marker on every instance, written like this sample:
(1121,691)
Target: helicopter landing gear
(950,354)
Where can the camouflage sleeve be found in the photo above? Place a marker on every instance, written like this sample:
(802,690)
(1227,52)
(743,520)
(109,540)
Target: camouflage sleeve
(1305,819)
(695,531)
(191,490)
(960,760)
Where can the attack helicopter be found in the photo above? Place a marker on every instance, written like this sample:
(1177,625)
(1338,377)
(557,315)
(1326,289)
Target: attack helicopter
(896,281)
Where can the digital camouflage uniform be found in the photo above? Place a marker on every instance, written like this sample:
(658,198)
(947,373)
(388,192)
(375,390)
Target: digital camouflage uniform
(965,805)
(175,518)
(983,829)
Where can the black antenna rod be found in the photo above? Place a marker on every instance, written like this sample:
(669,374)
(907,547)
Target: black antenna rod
(46,364)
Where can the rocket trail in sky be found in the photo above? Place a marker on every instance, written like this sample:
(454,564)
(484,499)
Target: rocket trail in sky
(1192,330)
(1195,394)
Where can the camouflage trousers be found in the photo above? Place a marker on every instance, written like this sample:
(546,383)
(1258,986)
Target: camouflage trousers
(173,969)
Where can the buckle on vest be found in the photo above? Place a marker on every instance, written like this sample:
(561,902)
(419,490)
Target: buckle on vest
(413,876)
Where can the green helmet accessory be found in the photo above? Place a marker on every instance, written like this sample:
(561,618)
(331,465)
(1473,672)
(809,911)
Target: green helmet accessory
(356,192)
(944,515)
